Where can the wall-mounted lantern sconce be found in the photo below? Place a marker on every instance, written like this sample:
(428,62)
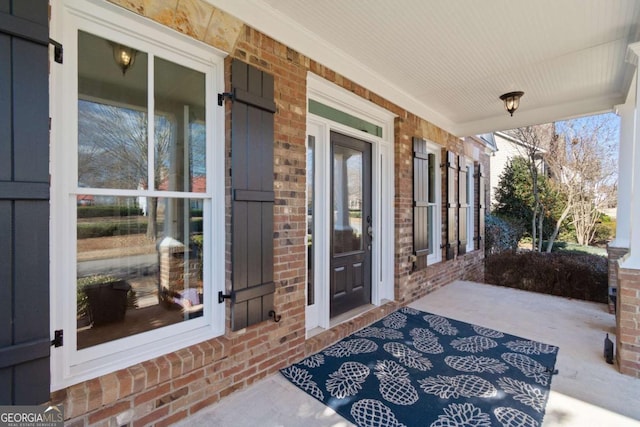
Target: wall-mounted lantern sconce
(124,56)
(511,101)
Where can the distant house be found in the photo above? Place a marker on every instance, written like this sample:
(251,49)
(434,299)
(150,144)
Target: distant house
(506,149)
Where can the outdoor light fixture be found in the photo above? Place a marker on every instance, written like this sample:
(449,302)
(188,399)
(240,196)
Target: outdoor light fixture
(511,101)
(124,56)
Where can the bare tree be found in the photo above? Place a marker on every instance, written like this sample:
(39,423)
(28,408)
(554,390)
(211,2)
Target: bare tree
(113,151)
(584,169)
(535,140)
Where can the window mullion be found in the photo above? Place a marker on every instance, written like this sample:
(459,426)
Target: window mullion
(151,124)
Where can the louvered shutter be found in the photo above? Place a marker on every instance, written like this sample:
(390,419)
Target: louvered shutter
(420,201)
(252,136)
(463,206)
(452,204)
(24,202)
(481,206)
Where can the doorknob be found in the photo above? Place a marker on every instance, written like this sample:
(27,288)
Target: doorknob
(370,231)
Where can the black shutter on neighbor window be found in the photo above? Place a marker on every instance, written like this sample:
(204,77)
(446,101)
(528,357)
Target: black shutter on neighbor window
(452,203)
(420,200)
(463,205)
(253,196)
(481,206)
(24,202)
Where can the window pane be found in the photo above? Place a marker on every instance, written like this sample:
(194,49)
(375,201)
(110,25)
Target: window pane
(431,230)
(432,178)
(347,200)
(179,128)
(139,265)
(310,213)
(112,117)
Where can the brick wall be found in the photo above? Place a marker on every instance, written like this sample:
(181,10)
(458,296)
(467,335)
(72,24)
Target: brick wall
(168,388)
(628,322)
(613,255)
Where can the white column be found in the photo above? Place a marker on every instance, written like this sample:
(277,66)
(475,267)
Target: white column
(627,113)
(632,260)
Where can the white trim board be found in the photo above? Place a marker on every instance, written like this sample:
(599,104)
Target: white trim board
(382,159)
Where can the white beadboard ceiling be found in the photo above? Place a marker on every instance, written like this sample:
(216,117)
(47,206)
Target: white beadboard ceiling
(448,61)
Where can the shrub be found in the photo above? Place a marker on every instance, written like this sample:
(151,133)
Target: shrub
(501,234)
(563,274)
(107,210)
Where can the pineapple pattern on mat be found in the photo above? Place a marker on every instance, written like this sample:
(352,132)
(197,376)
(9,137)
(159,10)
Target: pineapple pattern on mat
(420,369)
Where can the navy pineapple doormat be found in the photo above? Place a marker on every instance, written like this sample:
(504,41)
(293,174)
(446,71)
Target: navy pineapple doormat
(419,369)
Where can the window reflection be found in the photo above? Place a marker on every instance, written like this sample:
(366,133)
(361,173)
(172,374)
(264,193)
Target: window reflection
(347,200)
(139,256)
(126,274)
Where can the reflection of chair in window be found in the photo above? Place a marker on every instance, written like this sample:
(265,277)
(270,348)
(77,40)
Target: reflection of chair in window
(189,300)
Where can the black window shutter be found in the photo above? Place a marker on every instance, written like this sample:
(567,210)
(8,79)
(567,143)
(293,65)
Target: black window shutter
(24,204)
(463,204)
(452,204)
(420,201)
(481,206)
(252,118)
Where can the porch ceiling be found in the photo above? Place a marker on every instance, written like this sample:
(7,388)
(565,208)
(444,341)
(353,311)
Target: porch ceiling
(449,61)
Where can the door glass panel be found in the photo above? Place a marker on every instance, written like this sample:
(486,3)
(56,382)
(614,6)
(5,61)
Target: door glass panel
(347,200)
(179,128)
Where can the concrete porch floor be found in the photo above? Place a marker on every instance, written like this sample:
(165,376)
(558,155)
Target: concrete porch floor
(586,391)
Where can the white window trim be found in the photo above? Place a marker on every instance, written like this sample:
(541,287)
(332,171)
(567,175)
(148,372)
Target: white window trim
(471,209)
(69,366)
(382,158)
(436,226)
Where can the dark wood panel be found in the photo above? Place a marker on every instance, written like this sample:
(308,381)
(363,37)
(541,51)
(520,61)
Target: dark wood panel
(254,163)
(252,184)
(240,223)
(452,204)
(253,196)
(31,112)
(240,147)
(254,244)
(21,353)
(12,190)
(339,281)
(31,248)
(254,292)
(6,117)
(267,241)
(266,149)
(32,10)
(24,29)
(254,101)
(6,273)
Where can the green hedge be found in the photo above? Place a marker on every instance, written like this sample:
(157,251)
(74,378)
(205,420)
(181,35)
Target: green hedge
(107,210)
(558,273)
(108,229)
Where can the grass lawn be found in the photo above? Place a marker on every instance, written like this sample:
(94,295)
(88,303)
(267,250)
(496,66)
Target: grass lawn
(574,247)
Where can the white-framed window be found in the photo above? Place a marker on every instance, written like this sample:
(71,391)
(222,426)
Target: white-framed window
(137,166)
(471,203)
(434,209)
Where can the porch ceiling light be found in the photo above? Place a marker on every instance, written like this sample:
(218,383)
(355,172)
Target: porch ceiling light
(124,56)
(511,101)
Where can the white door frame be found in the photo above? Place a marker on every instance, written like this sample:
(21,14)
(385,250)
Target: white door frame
(382,189)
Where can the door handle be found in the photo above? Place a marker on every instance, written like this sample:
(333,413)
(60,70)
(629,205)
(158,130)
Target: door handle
(370,232)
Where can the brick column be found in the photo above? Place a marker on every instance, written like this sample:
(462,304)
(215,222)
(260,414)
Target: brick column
(628,322)
(614,254)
